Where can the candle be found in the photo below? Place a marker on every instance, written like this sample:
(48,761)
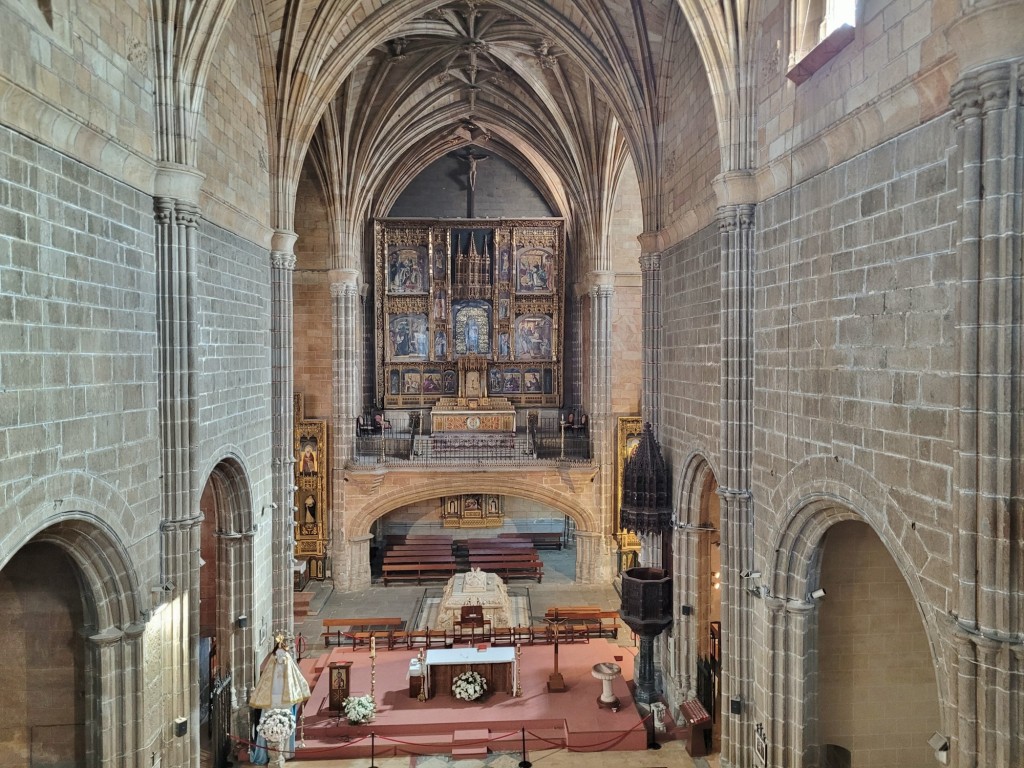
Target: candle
(373,647)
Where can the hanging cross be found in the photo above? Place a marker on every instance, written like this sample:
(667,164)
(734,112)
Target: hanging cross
(472,159)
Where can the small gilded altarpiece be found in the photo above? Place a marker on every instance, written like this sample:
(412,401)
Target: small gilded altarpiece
(311,494)
(471,510)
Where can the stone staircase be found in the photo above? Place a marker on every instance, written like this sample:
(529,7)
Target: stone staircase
(301,604)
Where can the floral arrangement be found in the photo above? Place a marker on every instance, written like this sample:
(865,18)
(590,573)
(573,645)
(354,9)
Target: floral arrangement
(276,724)
(359,709)
(469,686)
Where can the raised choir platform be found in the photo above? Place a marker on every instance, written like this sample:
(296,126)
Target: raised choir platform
(404,725)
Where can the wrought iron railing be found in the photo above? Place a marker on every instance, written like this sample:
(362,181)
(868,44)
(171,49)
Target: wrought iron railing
(407,442)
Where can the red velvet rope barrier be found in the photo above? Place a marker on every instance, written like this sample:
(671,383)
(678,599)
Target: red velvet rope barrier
(595,747)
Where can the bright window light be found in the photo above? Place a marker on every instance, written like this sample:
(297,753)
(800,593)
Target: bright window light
(838,13)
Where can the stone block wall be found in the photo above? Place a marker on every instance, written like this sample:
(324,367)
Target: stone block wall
(78,390)
(232,142)
(234,353)
(313,313)
(690,154)
(691,349)
(440,190)
(91,56)
(854,343)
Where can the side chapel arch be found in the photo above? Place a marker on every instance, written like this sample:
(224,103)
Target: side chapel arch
(112,625)
(227,533)
(791,632)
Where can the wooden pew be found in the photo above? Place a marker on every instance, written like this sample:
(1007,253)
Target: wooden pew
(592,619)
(417,571)
(352,627)
(508,568)
(539,539)
(403,558)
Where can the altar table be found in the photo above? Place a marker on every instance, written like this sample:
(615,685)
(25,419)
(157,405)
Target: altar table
(495,665)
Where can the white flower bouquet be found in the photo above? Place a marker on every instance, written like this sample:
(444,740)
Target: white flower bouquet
(469,686)
(276,725)
(359,709)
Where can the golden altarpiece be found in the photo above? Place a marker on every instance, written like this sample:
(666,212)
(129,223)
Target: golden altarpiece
(309,444)
(472,289)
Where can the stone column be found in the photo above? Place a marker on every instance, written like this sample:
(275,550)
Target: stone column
(593,558)
(736,227)
(357,574)
(177,225)
(602,427)
(650,273)
(282,267)
(987,463)
(346,367)
(347,402)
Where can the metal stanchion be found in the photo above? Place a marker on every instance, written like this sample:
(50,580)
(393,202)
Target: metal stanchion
(373,748)
(524,763)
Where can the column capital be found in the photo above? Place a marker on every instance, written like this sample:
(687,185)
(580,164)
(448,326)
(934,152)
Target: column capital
(735,216)
(343,282)
(981,91)
(650,262)
(178,182)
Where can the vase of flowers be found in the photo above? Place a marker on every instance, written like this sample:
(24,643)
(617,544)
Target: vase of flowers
(275,726)
(359,709)
(469,686)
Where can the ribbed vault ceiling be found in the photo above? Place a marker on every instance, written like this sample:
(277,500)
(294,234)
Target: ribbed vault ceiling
(564,90)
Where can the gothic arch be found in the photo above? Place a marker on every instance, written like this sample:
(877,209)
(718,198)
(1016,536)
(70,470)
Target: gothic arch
(88,520)
(823,492)
(360,523)
(229,490)
(692,540)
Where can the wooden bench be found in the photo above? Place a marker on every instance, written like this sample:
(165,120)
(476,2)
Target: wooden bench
(540,539)
(393,539)
(417,571)
(415,549)
(512,568)
(598,623)
(395,559)
(353,628)
(697,723)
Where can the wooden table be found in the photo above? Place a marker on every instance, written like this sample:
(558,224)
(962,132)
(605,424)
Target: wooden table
(495,665)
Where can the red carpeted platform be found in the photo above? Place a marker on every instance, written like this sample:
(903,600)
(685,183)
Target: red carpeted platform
(446,725)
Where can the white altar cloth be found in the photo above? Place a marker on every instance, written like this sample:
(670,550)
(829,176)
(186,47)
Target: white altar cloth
(491,656)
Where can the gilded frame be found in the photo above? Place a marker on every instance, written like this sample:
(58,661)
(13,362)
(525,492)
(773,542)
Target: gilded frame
(629,430)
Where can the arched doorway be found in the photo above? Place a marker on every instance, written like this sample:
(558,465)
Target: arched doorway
(69,602)
(877,692)
(44,693)
(226,603)
(709,605)
(483,516)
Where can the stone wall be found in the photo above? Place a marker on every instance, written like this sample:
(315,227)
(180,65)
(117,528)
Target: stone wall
(691,303)
(78,389)
(232,143)
(234,343)
(313,318)
(854,342)
(440,190)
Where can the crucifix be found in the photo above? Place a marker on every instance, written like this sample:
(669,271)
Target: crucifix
(556,683)
(472,159)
